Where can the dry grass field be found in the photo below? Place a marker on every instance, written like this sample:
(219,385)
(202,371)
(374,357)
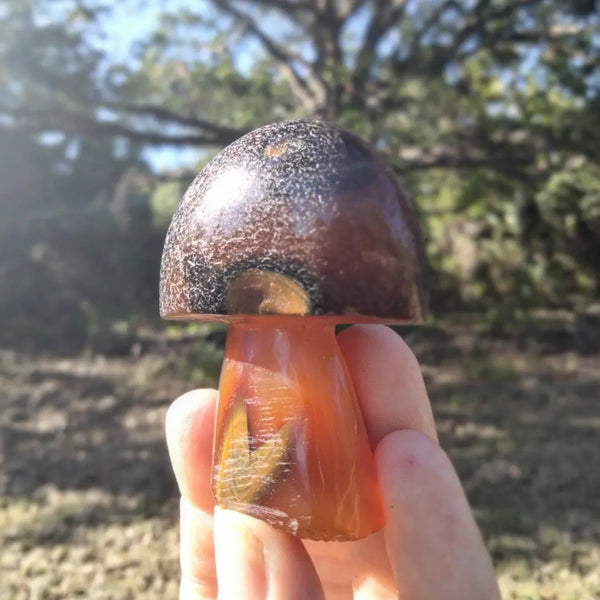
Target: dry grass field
(88,505)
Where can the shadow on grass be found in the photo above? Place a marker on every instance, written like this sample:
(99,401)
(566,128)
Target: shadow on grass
(526,446)
(79,431)
(524,435)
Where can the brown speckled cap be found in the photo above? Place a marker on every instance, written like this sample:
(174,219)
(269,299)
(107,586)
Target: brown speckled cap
(298,217)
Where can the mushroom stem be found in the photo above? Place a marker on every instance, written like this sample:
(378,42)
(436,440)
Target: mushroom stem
(290,445)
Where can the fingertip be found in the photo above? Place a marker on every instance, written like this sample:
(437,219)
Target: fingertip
(388,381)
(357,336)
(185,408)
(189,426)
(358,339)
(434,544)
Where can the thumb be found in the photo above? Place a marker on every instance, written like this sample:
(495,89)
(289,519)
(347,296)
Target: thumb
(434,545)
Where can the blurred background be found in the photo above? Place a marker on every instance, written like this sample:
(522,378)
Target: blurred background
(489,112)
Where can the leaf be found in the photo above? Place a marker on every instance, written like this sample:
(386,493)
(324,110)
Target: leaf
(243,476)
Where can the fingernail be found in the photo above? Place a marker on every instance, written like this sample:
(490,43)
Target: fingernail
(240,557)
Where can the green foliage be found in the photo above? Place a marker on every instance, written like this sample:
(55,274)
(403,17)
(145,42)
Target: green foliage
(480,367)
(199,361)
(163,202)
(571,199)
(487,110)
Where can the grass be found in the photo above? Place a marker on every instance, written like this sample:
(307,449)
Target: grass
(89,545)
(88,504)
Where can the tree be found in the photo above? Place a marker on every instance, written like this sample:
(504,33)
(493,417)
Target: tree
(479,105)
(372,64)
(71,249)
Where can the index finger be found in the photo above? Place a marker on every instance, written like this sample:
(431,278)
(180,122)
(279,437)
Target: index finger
(388,381)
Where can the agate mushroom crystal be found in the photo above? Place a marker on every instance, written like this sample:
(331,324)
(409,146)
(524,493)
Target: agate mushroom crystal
(291,230)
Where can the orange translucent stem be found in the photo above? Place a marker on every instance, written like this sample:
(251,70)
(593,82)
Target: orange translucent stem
(290,444)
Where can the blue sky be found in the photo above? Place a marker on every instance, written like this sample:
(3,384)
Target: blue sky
(129,22)
(126,24)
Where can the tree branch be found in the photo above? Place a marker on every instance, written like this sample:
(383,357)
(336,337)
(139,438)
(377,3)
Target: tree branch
(163,114)
(386,15)
(415,158)
(77,124)
(510,152)
(353,8)
(326,28)
(310,91)
(483,20)
(432,20)
(289,6)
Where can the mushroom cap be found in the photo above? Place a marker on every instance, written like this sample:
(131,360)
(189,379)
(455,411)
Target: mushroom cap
(295,218)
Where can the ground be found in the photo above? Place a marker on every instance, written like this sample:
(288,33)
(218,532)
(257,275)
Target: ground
(88,504)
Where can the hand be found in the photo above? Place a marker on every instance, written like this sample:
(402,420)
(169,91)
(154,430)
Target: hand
(430,548)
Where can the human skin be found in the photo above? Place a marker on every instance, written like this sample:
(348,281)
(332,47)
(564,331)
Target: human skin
(429,549)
